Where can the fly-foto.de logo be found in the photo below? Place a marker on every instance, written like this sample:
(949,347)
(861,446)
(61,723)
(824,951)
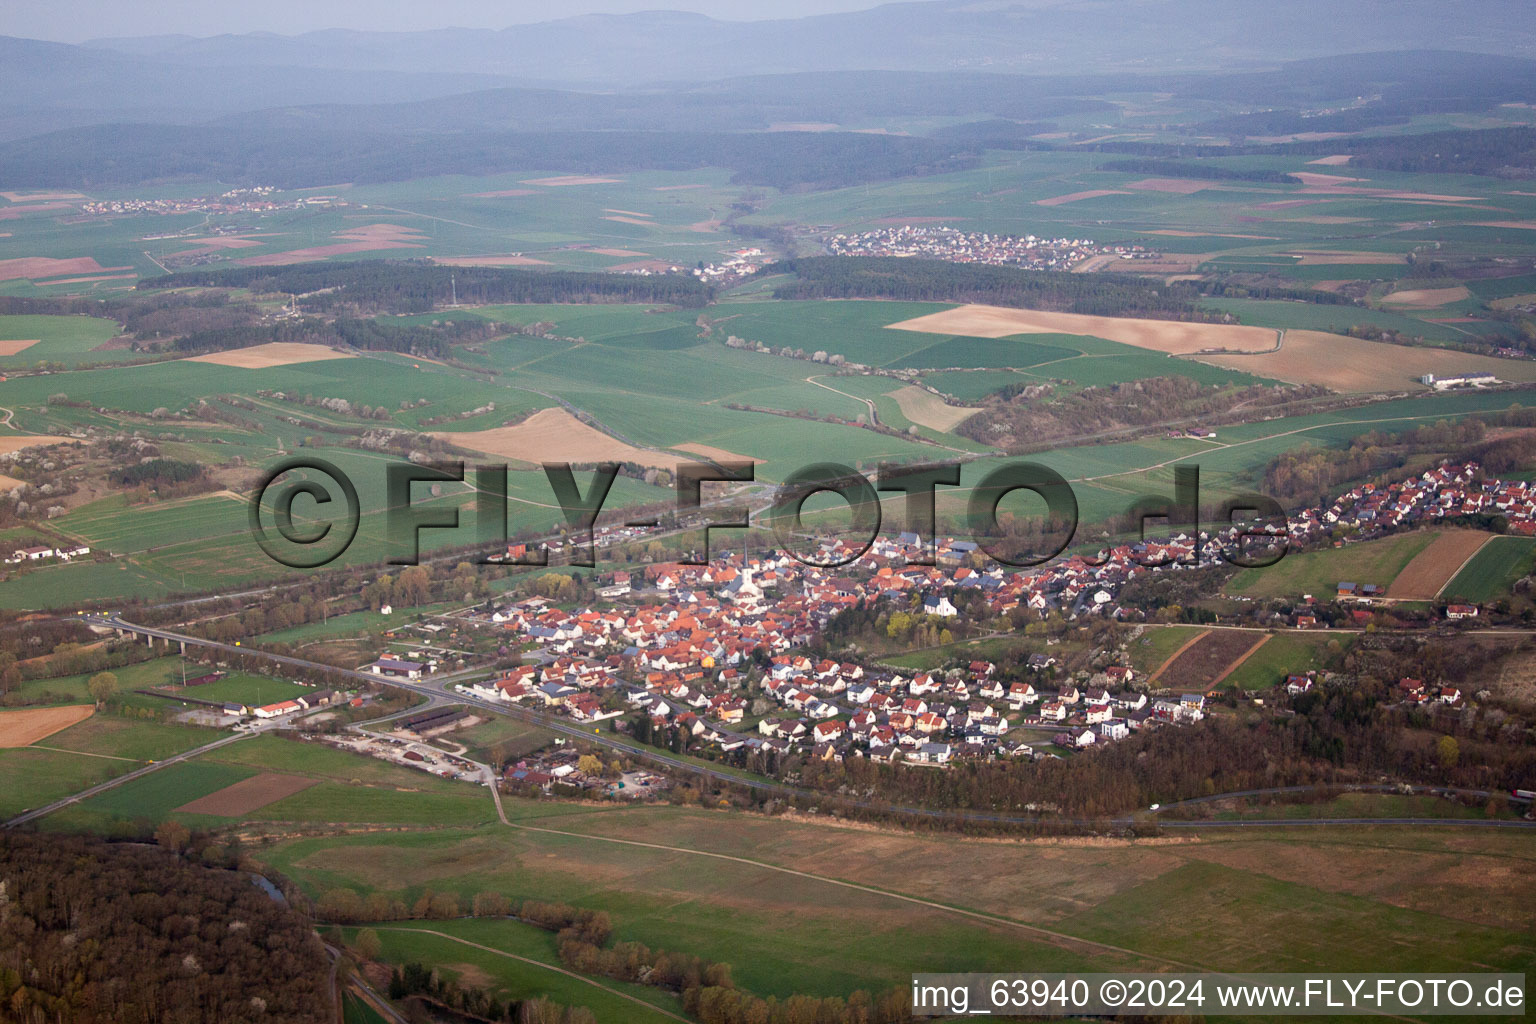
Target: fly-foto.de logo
(306,512)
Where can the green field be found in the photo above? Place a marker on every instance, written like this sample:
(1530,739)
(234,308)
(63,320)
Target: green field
(1284,654)
(787,933)
(1493,570)
(65,340)
(1319,572)
(97,749)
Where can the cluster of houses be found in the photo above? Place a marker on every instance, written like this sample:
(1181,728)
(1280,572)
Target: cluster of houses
(684,660)
(1444,492)
(955,246)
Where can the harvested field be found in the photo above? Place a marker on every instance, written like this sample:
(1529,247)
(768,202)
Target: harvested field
(1523,225)
(505,193)
(1315,178)
(627,213)
(507,260)
(632,220)
(278,353)
(714,454)
(1070,197)
(14,212)
(554,435)
(248,795)
(929,410)
(1171,336)
(24,728)
(1353,365)
(676,188)
(632,254)
(1175,186)
(572,179)
(34,268)
(364,238)
(1431,569)
(1332,161)
(1208,660)
(1426,298)
(11,348)
(16,442)
(39,197)
(1326,258)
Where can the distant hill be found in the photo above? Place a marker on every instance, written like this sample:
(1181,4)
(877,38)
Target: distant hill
(1003,35)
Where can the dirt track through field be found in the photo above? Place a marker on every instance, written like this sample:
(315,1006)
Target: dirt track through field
(24,728)
(1175,655)
(248,795)
(1245,656)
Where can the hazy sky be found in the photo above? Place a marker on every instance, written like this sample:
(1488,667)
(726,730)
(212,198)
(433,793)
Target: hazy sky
(73,21)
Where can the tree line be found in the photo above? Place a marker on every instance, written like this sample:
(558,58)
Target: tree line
(920,280)
(394,286)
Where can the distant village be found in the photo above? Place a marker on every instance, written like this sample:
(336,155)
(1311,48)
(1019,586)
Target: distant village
(954,246)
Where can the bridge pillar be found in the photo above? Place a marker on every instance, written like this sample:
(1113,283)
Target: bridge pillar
(182,646)
(149,639)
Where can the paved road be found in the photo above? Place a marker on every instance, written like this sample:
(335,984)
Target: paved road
(595,735)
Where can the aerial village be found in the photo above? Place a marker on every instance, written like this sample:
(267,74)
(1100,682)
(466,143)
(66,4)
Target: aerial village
(955,246)
(674,646)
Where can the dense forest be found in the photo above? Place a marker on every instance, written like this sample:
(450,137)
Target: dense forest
(1176,169)
(877,277)
(117,933)
(390,286)
(288,156)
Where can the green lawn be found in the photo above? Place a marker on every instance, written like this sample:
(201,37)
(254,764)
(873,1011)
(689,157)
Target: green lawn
(1319,572)
(1493,570)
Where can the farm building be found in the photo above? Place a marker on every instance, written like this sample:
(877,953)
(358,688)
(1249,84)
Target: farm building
(396,669)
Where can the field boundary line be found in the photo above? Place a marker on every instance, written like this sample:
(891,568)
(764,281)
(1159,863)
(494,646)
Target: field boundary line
(83,753)
(1174,656)
(1465,562)
(1241,658)
(536,963)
